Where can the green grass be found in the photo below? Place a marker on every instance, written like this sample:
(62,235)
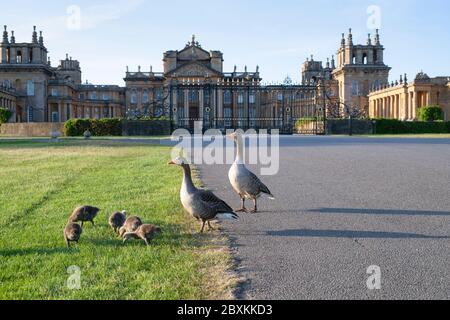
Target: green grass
(41,183)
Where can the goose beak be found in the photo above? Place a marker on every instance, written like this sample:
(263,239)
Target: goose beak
(171,162)
(231,136)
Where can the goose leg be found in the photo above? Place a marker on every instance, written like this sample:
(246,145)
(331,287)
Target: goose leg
(203,227)
(68,243)
(210,227)
(255,209)
(242,209)
(92,221)
(146,242)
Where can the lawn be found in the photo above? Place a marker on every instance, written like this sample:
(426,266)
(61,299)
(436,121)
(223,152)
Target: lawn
(41,183)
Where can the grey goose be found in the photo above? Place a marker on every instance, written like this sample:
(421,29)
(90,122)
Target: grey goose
(203,205)
(246,184)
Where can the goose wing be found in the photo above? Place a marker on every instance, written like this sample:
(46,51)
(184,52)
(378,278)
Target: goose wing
(257,182)
(212,201)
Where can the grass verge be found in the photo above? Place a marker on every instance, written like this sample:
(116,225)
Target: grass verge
(41,183)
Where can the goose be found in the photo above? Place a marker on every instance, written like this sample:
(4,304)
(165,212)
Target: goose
(84,214)
(117,220)
(131,224)
(145,232)
(246,184)
(72,233)
(201,204)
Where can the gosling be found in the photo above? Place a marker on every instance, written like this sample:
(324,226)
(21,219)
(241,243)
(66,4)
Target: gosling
(145,232)
(72,233)
(131,225)
(117,220)
(84,214)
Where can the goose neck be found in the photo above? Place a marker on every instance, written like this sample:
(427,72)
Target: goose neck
(188,184)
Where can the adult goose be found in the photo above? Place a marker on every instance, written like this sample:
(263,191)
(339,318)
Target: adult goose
(201,204)
(246,184)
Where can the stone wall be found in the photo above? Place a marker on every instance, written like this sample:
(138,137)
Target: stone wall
(41,129)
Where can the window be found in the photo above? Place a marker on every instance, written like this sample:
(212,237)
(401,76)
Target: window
(365,59)
(355,88)
(30,88)
(193,96)
(228,114)
(252,98)
(159,95)
(145,97)
(81,96)
(280,97)
(227,97)
(19,56)
(30,114)
(54,92)
(241,98)
(94,96)
(105,97)
(133,97)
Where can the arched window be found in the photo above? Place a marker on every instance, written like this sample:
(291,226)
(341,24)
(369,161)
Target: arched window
(145,97)
(354,60)
(133,96)
(365,61)
(19,56)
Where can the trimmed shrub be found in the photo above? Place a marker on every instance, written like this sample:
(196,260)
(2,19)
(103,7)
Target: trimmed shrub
(391,126)
(5,115)
(431,113)
(101,127)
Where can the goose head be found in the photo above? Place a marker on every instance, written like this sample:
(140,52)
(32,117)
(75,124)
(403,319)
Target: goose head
(179,162)
(236,136)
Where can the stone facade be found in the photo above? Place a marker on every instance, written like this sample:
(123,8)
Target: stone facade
(402,99)
(193,87)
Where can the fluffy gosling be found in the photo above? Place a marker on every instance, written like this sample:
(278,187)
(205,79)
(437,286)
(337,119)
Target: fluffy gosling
(145,232)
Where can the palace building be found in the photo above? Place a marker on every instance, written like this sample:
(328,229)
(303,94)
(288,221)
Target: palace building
(194,88)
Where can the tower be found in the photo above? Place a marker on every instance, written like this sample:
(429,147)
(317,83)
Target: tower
(360,68)
(24,65)
(69,70)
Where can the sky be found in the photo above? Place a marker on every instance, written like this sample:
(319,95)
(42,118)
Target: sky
(278,36)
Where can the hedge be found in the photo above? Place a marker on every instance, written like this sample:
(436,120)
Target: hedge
(391,126)
(5,114)
(431,113)
(97,127)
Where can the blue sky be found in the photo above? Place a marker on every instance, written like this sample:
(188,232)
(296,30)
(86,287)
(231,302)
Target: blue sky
(276,35)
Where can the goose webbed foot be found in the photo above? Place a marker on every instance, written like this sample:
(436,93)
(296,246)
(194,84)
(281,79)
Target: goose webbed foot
(242,210)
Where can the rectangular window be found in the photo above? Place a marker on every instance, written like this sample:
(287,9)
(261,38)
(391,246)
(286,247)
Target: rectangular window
(30,88)
(105,97)
(241,98)
(355,88)
(54,92)
(227,97)
(93,96)
(252,98)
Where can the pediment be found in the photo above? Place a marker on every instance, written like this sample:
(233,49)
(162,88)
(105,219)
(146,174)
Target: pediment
(194,70)
(193,53)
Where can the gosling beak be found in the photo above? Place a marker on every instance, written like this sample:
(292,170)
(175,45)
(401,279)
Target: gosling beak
(171,162)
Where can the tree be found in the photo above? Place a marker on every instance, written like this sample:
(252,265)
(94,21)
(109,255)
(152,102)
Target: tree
(5,115)
(431,113)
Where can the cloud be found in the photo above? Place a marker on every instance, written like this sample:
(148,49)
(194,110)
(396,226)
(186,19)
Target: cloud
(95,15)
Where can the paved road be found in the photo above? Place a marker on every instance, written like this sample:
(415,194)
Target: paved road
(344,204)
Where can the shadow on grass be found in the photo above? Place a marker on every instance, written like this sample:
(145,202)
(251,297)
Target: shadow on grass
(38,251)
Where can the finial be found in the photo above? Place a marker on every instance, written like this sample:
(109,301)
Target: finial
(369,40)
(377,37)
(5,35)
(35,40)
(193,40)
(406,78)
(312,57)
(343,40)
(139,68)
(151,69)
(13,38)
(350,37)
(67,56)
(41,38)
